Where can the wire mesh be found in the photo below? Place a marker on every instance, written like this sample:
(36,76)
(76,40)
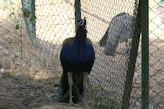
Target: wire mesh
(109,73)
(55,21)
(156,39)
(156,31)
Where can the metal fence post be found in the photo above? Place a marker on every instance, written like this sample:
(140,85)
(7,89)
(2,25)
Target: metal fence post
(145,54)
(131,62)
(77,12)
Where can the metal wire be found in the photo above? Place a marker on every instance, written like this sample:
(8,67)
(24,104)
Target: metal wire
(55,21)
(156,62)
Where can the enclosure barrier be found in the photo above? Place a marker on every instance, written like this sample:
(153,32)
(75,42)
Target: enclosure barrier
(111,77)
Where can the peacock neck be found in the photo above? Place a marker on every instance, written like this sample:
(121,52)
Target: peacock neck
(81,36)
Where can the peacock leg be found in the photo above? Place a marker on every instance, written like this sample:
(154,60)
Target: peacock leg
(70,82)
(85,84)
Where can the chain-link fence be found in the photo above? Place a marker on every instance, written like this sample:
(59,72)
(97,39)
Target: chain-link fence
(56,22)
(49,22)
(156,62)
(156,54)
(156,45)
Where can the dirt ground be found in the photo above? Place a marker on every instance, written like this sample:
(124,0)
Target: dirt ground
(20,88)
(23,92)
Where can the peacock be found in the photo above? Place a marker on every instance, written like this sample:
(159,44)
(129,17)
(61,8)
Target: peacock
(119,30)
(77,57)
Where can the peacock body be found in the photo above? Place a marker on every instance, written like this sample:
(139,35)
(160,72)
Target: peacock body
(77,56)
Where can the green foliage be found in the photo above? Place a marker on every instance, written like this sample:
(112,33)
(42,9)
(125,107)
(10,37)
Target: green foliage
(10,41)
(13,10)
(16,57)
(26,13)
(35,42)
(17,26)
(32,18)
(11,7)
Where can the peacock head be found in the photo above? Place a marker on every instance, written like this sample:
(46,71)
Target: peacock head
(81,32)
(82,23)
